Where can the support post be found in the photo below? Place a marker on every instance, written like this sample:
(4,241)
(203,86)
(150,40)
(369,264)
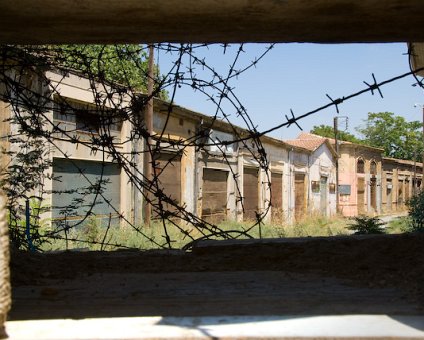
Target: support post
(148,121)
(337,163)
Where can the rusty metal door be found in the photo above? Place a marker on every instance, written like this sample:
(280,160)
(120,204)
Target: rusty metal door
(299,192)
(214,195)
(277,196)
(361,195)
(168,172)
(73,196)
(250,193)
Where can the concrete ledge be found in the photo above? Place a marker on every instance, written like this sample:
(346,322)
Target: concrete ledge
(234,243)
(225,327)
(109,21)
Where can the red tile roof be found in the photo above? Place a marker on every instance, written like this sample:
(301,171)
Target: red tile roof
(308,144)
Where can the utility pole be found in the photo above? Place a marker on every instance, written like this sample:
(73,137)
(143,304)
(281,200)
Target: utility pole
(336,132)
(148,122)
(422,160)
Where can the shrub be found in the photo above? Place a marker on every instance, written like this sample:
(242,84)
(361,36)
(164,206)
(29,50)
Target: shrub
(365,225)
(91,230)
(416,212)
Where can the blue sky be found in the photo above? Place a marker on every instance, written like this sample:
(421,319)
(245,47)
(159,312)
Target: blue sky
(298,77)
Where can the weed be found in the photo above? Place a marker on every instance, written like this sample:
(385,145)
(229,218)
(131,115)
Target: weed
(399,225)
(367,225)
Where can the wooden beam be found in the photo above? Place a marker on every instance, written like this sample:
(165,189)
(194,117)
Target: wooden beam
(417,57)
(134,21)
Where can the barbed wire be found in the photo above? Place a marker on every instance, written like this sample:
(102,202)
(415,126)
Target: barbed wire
(32,79)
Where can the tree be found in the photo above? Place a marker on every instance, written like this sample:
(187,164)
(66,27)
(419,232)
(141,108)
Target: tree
(399,138)
(123,64)
(328,131)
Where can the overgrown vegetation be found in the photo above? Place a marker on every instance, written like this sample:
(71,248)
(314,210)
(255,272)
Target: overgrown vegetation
(94,235)
(399,225)
(416,212)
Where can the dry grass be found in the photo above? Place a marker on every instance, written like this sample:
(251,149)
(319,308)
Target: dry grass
(91,235)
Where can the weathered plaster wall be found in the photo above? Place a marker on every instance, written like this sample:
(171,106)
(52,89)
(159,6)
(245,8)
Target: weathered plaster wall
(321,164)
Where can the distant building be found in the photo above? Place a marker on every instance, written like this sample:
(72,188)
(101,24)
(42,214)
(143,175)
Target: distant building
(314,187)
(370,184)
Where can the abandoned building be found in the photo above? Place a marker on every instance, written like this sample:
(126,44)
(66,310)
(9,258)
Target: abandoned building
(370,184)
(223,180)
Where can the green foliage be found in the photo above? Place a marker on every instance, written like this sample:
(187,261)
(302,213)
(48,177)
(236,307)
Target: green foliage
(328,131)
(17,225)
(416,212)
(91,234)
(399,225)
(365,225)
(398,138)
(91,230)
(125,64)
(25,176)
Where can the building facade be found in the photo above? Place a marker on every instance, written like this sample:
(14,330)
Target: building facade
(203,167)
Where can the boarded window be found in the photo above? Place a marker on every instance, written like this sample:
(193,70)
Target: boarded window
(214,195)
(250,193)
(315,186)
(299,189)
(167,169)
(75,194)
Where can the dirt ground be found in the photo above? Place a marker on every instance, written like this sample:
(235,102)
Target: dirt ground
(382,274)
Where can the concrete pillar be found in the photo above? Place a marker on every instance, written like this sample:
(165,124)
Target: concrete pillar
(126,198)
(266,194)
(368,188)
(188,179)
(239,194)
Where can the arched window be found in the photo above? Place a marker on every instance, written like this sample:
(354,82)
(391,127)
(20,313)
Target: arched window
(373,168)
(360,166)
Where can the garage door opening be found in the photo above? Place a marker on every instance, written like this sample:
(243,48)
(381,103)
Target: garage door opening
(82,188)
(300,198)
(168,174)
(214,195)
(250,193)
(277,197)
